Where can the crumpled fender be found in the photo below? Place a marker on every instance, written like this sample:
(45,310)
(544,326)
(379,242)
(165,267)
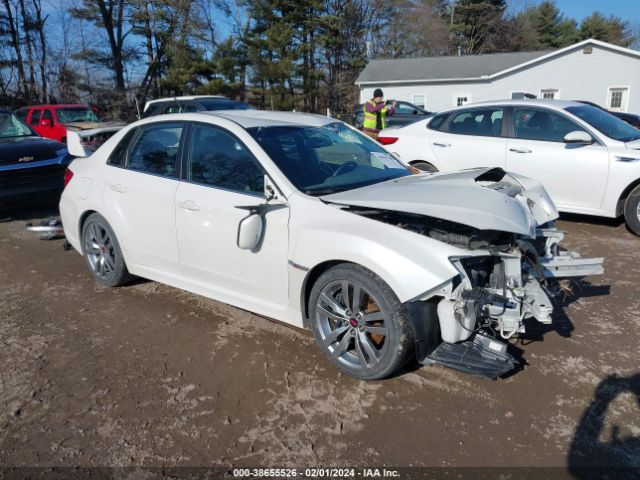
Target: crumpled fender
(411,264)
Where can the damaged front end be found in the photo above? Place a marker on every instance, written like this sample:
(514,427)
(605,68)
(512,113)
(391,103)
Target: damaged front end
(504,278)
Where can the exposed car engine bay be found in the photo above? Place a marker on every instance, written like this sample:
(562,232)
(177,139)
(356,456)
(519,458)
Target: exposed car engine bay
(505,279)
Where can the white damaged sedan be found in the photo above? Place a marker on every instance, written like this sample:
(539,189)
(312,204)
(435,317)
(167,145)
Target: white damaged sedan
(306,220)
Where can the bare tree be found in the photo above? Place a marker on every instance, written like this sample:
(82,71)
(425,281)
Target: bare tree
(38,25)
(12,23)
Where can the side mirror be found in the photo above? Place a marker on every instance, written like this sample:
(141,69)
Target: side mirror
(45,122)
(579,137)
(74,145)
(250,231)
(415,112)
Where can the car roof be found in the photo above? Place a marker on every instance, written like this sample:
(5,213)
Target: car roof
(267,118)
(528,102)
(186,97)
(248,118)
(61,105)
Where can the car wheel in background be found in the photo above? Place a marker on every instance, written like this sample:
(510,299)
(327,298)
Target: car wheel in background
(359,323)
(424,166)
(102,252)
(632,210)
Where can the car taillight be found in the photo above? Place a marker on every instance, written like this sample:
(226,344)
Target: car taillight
(68,175)
(387,140)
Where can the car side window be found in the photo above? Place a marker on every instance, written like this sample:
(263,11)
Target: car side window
(405,109)
(438,122)
(35,117)
(47,115)
(155,149)
(218,159)
(174,108)
(542,125)
(118,157)
(485,122)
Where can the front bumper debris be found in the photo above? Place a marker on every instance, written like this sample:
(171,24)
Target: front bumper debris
(482,356)
(559,263)
(494,294)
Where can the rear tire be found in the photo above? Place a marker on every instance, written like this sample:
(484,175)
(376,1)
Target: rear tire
(359,323)
(424,166)
(102,252)
(632,211)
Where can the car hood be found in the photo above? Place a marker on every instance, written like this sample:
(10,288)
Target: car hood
(486,199)
(28,149)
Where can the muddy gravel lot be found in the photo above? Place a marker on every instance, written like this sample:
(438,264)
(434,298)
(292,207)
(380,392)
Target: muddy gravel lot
(147,375)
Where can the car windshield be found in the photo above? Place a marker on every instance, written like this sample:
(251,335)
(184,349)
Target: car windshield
(606,123)
(11,126)
(76,114)
(327,159)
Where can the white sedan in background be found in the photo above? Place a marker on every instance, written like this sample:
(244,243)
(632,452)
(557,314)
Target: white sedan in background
(308,221)
(587,159)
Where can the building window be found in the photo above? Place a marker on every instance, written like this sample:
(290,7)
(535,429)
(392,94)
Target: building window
(617,99)
(419,100)
(550,93)
(460,99)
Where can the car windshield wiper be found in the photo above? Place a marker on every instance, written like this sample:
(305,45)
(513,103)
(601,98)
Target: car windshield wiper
(326,190)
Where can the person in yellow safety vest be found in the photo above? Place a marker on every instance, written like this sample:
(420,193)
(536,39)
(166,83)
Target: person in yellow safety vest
(376,113)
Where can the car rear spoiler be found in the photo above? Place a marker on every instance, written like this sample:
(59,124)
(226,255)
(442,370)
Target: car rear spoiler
(83,143)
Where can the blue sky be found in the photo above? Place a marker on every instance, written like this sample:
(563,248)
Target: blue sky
(578,9)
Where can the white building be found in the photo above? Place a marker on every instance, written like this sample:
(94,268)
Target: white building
(589,70)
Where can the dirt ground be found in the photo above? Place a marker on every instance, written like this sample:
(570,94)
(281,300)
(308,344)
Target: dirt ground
(147,375)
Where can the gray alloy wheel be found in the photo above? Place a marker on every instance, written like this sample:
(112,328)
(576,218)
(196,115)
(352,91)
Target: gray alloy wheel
(632,210)
(102,252)
(99,250)
(359,323)
(351,324)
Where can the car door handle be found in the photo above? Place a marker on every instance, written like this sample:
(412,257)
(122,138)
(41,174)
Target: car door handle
(441,144)
(116,187)
(520,150)
(189,205)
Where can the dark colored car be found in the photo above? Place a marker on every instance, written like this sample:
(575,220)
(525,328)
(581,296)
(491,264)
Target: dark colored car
(405,113)
(631,118)
(31,167)
(191,104)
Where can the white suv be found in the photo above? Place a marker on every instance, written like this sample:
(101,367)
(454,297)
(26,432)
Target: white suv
(587,159)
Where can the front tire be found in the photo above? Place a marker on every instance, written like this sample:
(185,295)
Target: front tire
(632,210)
(359,323)
(102,252)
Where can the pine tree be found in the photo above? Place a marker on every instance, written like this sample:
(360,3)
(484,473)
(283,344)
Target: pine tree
(476,24)
(553,29)
(613,29)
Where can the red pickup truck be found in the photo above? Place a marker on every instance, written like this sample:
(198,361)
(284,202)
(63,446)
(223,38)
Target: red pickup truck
(52,121)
